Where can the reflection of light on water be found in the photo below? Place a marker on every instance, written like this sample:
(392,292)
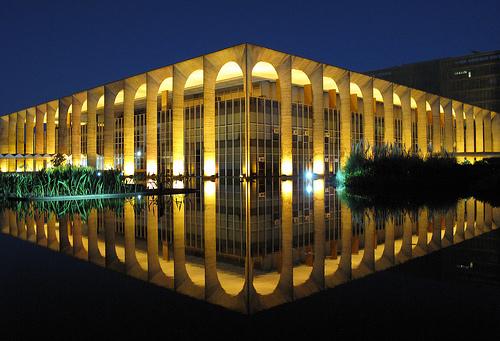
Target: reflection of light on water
(309,188)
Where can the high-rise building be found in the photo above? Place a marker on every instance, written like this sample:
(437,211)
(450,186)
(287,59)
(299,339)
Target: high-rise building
(473,79)
(242,111)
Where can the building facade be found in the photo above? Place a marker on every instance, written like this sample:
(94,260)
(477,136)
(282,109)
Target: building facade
(242,111)
(473,79)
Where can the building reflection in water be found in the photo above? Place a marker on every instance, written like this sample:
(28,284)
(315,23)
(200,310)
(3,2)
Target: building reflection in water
(247,246)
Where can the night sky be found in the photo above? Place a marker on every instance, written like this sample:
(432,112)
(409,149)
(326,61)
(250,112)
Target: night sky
(50,49)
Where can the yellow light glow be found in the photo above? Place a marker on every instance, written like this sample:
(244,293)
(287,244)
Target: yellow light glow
(264,70)
(329,84)
(195,79)
(84,106)
(427,106)
(396,100)
(209,167)
(151,184)
(141,92)
(128,168)
(318,186)
(286,166)
(355,90)
(300,78)
(377,95)
(167,84)
(100,102)
(453,112)
(318,166)
(209,187)
(441,110)
(413,103)
(178,167)
(230,70)
(151,167)
(70,109)
(287,188)
(119,97)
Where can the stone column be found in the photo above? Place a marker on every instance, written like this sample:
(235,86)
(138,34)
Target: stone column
(109,126)
(39,133)
(406,115)
(470,218)
(448,127)
(436,124)
(459,234)
(487,132)
(286,272)
(210,230)
(63,125)
(179,80)
(495,131)
(128,128)
(209,81)
(51,127)
(20,139)
(388,98)
(368,113)
(318,272)
(4,141)
(30,126)
(345,118)
(92,100)
(459,116)
(76,133)
(422,124)
(478,116)
(12,140)
(155,273)
(469,129)
(152,88)
(284,71)
(318,121)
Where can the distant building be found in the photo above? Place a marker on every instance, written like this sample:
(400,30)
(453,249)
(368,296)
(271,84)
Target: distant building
(473,79)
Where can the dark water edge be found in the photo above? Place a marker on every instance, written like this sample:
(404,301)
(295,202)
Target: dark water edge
(47,294)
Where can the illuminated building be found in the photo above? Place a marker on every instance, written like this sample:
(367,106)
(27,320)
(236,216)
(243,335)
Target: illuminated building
(242,111)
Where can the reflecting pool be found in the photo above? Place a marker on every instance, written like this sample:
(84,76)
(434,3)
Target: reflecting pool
(245,245)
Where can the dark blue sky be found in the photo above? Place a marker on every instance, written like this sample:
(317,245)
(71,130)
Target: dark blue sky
(53,48)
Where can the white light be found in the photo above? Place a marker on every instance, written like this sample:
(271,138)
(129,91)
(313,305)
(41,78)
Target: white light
(139,197)
(98,173)
(309,175)
(138,153)
(309,188)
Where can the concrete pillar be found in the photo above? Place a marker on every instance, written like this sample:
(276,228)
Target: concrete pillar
(367,265)
(406,118)
(51,127)
(128,127)
(345,265)
(76,132)
(41,238)
(93,248)
(345,118)
(111,258)
(179,80)
(459,117)
(487,132)
(318,272)
(495,132)
(286,273)
(368,113)
(469,129)
(132,267)
(318,121)
(155,274)
(20,139)
(209,80)
(406,246)
(78,248)
(29,139)
(423,224)
(152,88)
(479,217)
(12,140)
(4,141)
(92,100)
(470,218)
(284,71)
(52,242)
(448,234)
(460,233)
(421,124)
(388,97)
(478,117)
(448,127)
(63,125)
(39,133)
(30,229)
(210,230)
(109,126)
(435,103)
